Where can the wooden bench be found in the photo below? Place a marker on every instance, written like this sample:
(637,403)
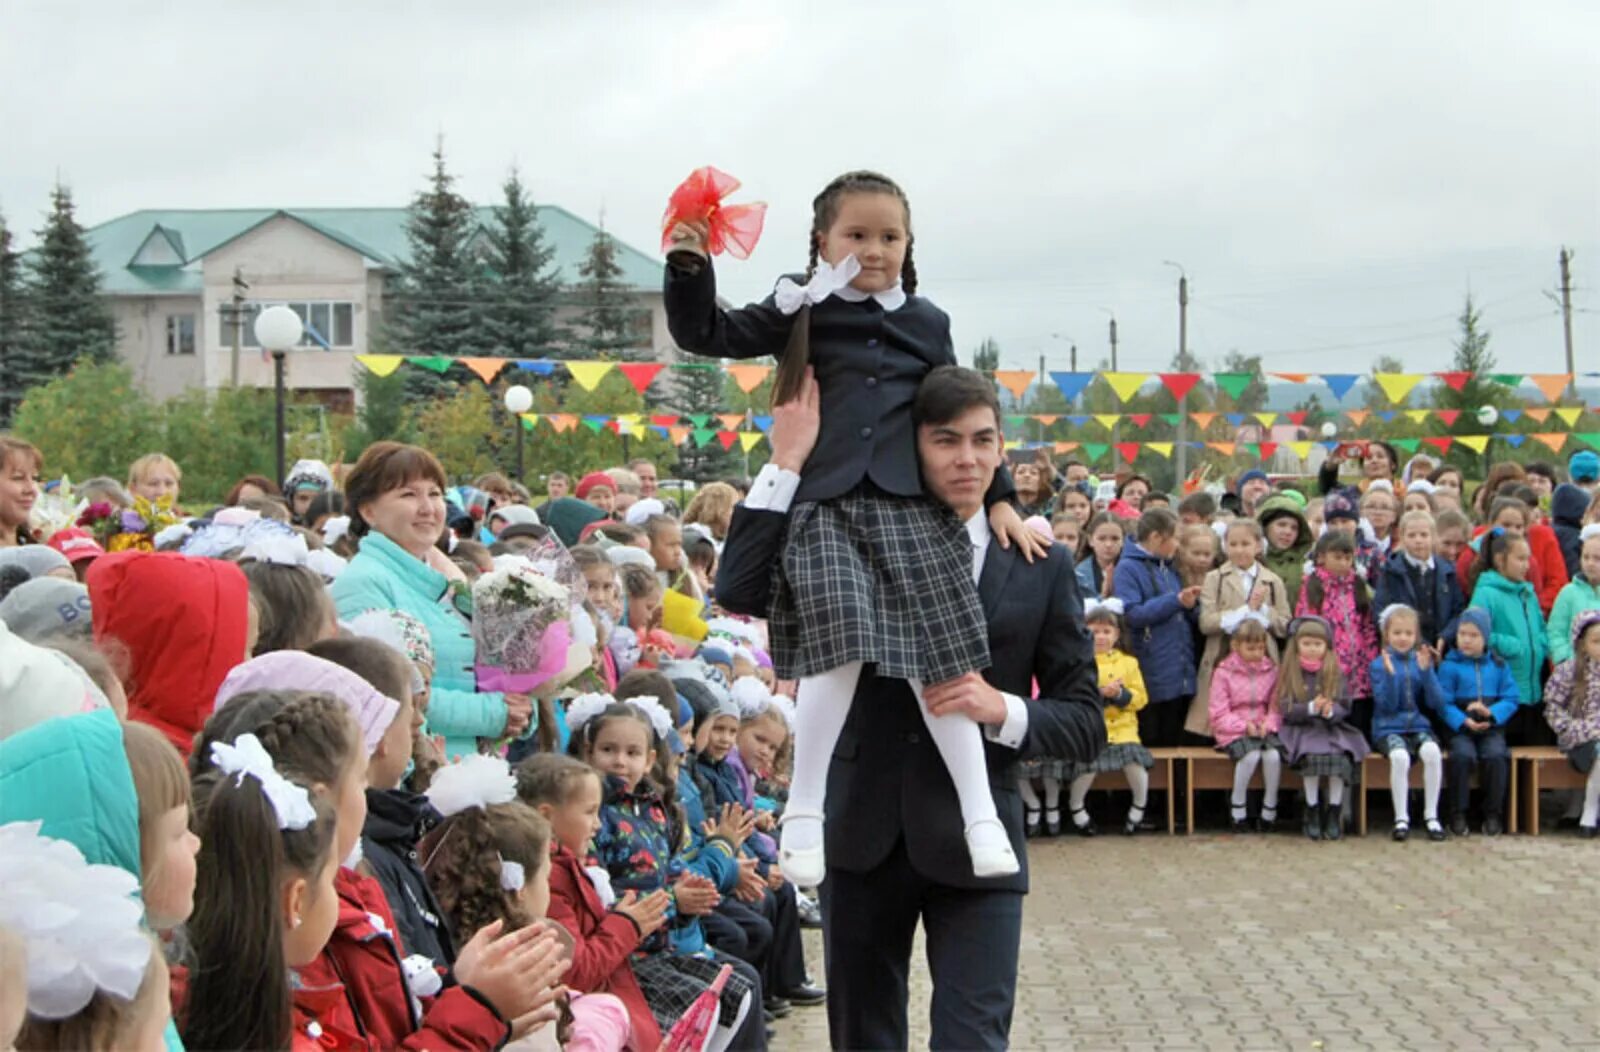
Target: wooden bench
(1539,767)
(1375,778)
(1160,778)
(1211,769)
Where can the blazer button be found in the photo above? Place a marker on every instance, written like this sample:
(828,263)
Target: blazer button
(913,737)
(872,343)
(866,432)
(872,381)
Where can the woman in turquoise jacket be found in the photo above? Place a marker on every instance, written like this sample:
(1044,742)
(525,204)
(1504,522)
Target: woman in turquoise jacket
(1502,588)
(395,495)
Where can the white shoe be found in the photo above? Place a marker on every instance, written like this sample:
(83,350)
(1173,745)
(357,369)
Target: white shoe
(991,849)
(803,866)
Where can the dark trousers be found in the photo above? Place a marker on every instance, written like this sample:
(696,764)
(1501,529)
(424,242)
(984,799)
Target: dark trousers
(784,968)
(869,921)
(735,928)
(1487,751)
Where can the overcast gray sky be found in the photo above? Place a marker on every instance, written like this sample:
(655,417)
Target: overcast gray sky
(1334,182)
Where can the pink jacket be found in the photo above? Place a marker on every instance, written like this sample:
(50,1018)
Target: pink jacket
(1242,694)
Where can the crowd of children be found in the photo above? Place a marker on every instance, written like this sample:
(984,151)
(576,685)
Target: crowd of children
(197,719)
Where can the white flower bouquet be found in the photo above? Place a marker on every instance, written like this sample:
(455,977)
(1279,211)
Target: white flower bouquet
(523,627)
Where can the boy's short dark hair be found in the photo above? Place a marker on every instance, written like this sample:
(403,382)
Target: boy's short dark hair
(1201,504)
(1542,469)
(1159,497)
(951,390)
(621,532)
(1157,522)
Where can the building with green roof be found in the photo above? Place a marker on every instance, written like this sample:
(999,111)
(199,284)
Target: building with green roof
(170,277)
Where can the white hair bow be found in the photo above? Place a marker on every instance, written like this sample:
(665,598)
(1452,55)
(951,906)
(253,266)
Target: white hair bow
(585,707)
(80,922)
(660,719)
(335,528)
(827,280)
(280,549)
(473,781)
(247,756)
(512,875)
(751,695)
(1091,604)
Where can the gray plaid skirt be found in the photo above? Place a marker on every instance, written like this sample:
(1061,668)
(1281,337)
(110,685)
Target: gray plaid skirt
(877,578)
(1326,765)
(671,982)
(1409,743)
(1240,747)
(1114,758)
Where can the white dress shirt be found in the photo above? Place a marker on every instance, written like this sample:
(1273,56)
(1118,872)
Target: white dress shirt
(774,490)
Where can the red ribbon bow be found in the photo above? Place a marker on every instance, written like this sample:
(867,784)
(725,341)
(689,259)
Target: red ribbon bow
(733,228)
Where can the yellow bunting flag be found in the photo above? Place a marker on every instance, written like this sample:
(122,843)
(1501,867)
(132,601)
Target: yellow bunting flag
(1267,419)
(1417,416)
(629,421)
(1015,380)
(588,374)
(748,377)
(1570,414)
(381,364)
(486,369)
(1551,384)
(1554,439)
(1163,448)
(531,419)
(637,431)
(1397,385)
(748,440)
(1126,385)
(1301,449)
(1357,416)
(1108,420)
(1476,443)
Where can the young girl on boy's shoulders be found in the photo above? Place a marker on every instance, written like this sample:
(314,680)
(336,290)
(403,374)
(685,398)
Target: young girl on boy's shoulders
(1318,740)
(1572,706)
(1123,695)
(1245,721)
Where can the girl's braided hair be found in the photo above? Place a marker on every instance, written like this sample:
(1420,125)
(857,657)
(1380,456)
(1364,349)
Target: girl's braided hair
(824,210)
(311,737)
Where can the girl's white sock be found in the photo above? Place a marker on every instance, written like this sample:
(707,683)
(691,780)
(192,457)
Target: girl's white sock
(1335,791)
(1399,785)
(1052,793)
(1271,774)
(1432,779)
(1311,789)
(1139,782)
(822,704)
(1030,795)
(1077,793)
(1591,798)
(1243,771)
(959,740)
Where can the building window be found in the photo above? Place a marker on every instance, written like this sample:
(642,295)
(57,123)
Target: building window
(180,334)
(329,325)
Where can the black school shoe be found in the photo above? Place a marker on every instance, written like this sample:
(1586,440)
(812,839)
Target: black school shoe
(1402,832)
(1088,828)
(1588,832)
(805,996)
(775,1008)
(1332,822)
(1458,824)
(1493,825)
(1031,823)
(1436,831)
(1311,822)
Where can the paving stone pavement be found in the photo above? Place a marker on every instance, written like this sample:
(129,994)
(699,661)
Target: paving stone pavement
(1271,942)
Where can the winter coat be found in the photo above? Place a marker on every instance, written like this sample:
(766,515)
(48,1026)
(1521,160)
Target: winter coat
(383,576)
(603,942)
(1223,592)
(1355,630)
(711,857)
(182,621)
(1397,582)
(396,821)
(1467,570)
(1579,595)
(1122,715)
(1567,505)
(1091,579)
(634,847)
(1463,680)
(1288,563)
(1400,698)
(1242,693)
(1159,629)
(71,774)
(364,959)
(1574,718)
(1304,733)
(1519,632)
(1546,548)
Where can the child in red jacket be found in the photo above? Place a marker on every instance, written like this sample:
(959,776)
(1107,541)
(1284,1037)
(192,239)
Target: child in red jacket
(567,793)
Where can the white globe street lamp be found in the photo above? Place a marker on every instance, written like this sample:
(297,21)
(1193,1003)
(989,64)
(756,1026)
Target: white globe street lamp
(518,401)
(277,329)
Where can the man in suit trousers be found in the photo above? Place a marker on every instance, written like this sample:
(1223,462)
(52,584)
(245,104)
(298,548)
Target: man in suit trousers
(895,852)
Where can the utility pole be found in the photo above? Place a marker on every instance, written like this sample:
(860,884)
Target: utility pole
(1183,366)
(1566,317)
(1115,428)
(235,314)
(1039,434)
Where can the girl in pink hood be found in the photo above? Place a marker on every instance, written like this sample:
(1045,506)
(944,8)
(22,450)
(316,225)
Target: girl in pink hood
(1246,722)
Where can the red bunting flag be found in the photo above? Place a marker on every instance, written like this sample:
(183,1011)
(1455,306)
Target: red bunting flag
(640,374)
(664,419)
(727,438)
(1297,418)
(1439,442)
(1140,419)
(1267,449)
(1449,416)
(1129,451)
(1179,384)
(1454,381)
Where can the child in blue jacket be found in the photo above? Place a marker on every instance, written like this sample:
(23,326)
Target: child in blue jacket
(1160,616)
(1403,682)
(1481,696)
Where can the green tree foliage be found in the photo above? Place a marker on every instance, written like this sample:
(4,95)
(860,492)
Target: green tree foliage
(700,394)
(90,421)
(520,317)
(11,317)
(455,429)
(68,319)
(605,319)
(986,356)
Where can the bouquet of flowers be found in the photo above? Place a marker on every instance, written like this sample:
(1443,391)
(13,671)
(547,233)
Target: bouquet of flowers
(526,627)
(733,229)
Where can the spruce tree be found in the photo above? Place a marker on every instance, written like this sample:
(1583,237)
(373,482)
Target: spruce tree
(524,283)
(700,394)
(434,301)
(986,356)
(67,319)
(1472,355)
(10,325)
(605,305)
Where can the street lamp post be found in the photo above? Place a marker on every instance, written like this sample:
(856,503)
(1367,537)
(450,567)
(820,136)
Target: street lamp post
(278,328)
(518,401)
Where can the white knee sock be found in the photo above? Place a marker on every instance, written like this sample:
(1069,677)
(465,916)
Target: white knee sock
(1335,791)
(1591,798)
(1139,782)
(1399,786)
(1243,771)
(1432,779)
(1077,793)
(1271,773)
(1311,781)
(821,707)
(1030,795)
(1052,794)
(959,740)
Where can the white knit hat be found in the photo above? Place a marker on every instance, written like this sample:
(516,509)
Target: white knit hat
(37,684)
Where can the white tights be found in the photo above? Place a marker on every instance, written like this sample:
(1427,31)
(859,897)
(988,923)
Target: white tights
(1432,779)
(823,704)
(1271,764)
(1138,783)
(1591,798)
(1335,790)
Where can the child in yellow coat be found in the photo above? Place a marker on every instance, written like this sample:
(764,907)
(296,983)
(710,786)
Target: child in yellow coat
(1122,691)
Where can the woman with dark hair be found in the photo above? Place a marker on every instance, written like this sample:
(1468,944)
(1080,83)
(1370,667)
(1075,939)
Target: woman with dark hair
(396,498)
(1132,489)
(250,487)
(1504,473)
(1378,461)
